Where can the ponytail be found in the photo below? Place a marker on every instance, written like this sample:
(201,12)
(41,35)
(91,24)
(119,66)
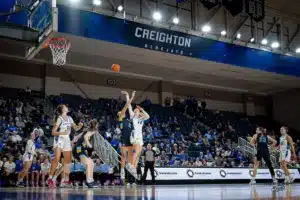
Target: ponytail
(58,112)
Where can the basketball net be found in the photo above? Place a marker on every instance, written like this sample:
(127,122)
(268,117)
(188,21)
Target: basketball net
(59,48)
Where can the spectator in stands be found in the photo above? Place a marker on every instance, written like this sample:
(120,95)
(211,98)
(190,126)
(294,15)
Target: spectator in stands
(77,175)
(19,164)
(45,170)
(97,171)
(168,102)
(35,172)
(108,135)
(9,171)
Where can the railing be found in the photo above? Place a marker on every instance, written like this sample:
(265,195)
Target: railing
(246,148)
(109,155)
(105,151)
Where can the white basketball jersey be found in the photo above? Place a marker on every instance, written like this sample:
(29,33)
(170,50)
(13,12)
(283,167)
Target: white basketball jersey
(137,125)
(65,125)
(284,145)
(30,147)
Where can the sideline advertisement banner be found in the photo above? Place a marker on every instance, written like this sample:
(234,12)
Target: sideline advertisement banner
(215,174)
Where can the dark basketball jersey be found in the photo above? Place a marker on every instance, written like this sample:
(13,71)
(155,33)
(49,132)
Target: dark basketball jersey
(126,127)
(262,142)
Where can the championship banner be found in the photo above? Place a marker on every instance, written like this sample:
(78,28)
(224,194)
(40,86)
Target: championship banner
(209,4)
(216,174)
(235,7)
(255,9)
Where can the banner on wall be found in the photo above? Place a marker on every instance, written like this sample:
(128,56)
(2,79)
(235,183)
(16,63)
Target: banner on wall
(209,4)
(235,7)
(216,174)
(92,25)
(255,9)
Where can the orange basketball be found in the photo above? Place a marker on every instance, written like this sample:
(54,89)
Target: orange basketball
(116,67)
(46,45)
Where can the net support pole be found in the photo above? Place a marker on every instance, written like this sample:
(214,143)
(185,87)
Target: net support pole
(54,19)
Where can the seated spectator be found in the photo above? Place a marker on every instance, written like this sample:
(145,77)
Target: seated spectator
(9,172)
(35,172)
(77,175)
(45,170)
(198,163)
(19,164)
(97,171)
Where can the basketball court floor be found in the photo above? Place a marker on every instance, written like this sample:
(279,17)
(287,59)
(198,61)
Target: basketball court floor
(164,192)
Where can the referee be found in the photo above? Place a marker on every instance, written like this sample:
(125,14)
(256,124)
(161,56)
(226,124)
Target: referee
(149,163)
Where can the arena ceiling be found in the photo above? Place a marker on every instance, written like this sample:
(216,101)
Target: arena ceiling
(99,56)
(292,6)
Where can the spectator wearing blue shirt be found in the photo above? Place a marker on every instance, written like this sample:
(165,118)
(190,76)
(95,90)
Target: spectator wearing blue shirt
(38,143)
(77,172)
(115,143)
(19,164)
(12,127)
(35,173)
(103,172)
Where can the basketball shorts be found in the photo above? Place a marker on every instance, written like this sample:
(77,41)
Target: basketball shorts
(62,142)
(79,152)
(27,157)
(136,138)
(263,154)
(125,140)
(285,156)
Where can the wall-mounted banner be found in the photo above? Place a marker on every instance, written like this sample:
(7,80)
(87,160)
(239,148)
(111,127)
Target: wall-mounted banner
(235,7)
(209,4)
(216,174)
(92,25)
(255,9)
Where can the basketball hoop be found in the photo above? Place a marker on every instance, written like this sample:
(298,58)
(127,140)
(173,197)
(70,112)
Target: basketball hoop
(59,47)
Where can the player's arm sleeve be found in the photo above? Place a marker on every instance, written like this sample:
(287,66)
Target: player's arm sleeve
(131,114)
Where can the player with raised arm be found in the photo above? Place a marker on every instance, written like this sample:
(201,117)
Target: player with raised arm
(27,159)
(286,147)
(126,128)
(83,149)
(62,144)
(138,116)
(260,141)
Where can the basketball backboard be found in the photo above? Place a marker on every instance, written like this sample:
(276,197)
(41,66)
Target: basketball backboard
(35,19)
